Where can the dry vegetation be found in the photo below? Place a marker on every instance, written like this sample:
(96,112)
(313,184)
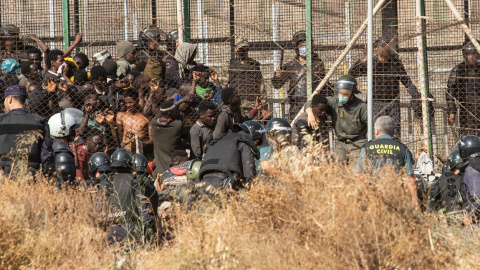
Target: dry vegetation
(312,217)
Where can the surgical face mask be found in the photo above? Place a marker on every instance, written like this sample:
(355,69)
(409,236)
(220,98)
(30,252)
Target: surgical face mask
(342,100)
(302,51)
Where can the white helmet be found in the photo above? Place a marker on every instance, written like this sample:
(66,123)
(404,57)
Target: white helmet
(60,124)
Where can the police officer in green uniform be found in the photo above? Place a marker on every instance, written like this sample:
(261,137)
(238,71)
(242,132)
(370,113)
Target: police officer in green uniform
(349,117)
(385,151)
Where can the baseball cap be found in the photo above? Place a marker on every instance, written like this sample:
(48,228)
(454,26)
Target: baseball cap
(15,90)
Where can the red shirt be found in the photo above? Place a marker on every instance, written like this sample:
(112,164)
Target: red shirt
(83,157)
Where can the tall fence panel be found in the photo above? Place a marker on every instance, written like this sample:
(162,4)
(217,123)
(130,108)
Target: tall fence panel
(276,72)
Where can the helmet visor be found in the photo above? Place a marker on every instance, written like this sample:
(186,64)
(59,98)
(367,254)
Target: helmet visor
(343,84)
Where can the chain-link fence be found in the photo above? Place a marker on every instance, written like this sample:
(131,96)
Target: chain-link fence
(275,65)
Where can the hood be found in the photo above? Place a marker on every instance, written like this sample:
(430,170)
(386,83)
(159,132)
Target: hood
(225,108)
(184,52)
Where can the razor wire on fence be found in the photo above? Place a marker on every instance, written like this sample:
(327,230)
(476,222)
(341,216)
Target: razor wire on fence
(252,46)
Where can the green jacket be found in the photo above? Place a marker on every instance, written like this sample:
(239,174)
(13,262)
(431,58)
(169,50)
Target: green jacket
(349,120)
(123,68)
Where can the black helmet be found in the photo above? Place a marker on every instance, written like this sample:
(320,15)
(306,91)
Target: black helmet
(347,82)
(172,38)
(453,160)
(469,146)
(99,162)
(121,158)
(240,127)
(9,30)
(300,36)
(469,48)
(140,163)
(256,130)
(152,33)
(276,125)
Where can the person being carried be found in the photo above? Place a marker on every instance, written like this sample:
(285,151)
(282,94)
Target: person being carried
(307,134)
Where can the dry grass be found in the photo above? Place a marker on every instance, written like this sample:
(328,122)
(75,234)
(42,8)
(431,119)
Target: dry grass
(312,217)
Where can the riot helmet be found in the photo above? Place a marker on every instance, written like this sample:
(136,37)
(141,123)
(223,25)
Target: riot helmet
(151,33)
(298,37)
(453,161)
(9,30)
(279,130)
(121,158)
(277,124)
(172,39)
(193,169)
(256,130)
(64,162)
(347,82)
(99,162)
(469,48)
(140,163)
(240,127)
(64,123)
(469,147)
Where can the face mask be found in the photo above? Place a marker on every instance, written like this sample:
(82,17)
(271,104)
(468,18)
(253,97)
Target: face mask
(302,51)
(342,100)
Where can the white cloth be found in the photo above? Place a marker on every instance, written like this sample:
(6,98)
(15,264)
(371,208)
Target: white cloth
(424,166)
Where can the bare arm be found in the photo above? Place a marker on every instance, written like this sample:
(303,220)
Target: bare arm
(155,97)
(43,47)
(78,39)
(40,43)
(120,128)
(84,123)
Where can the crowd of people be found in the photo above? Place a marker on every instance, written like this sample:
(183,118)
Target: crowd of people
(156,127)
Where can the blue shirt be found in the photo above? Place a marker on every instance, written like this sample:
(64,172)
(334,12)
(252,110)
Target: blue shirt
(380,163)
(265,154)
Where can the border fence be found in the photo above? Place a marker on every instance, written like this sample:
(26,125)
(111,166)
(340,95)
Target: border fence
(268,25)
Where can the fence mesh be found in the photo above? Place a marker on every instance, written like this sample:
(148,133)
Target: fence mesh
(272,69)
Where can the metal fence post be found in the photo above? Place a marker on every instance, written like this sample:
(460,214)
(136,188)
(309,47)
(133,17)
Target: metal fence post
(425,68)
(308,27)
(66,24)
(180,25)
(186,20)
(370,69)
(423,79)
